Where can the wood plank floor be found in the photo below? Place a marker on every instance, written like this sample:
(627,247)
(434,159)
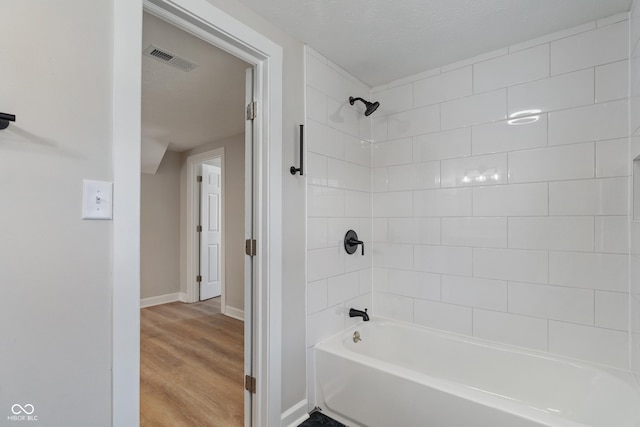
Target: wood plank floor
(191,366)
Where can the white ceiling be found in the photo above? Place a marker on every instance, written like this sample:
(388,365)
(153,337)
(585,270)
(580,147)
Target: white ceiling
(182,110)
(383,40)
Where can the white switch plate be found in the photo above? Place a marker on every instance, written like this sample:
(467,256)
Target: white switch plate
(97,199)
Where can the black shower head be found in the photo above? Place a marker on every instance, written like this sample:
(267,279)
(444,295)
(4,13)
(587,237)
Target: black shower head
(371,106)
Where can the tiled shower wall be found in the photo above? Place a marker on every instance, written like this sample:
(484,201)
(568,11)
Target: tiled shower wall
(338,171)
(634,127)
(516,233)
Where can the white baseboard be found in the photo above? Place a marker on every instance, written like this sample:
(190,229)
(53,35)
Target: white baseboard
(236,313)
(163,299)
(295,415)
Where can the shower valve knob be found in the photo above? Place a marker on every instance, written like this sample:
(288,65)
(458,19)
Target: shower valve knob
(351,242)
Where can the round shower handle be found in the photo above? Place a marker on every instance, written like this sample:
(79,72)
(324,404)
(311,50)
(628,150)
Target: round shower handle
(351,242)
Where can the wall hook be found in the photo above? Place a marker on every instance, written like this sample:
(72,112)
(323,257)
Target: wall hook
(294,169)
(5,119)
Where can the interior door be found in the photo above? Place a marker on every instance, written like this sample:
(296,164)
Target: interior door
(211,236)
(249,368)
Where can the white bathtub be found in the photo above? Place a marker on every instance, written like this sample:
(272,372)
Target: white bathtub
(406,375)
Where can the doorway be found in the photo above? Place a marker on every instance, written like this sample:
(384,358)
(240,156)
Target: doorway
(237,38)
(195,113)
(235,227)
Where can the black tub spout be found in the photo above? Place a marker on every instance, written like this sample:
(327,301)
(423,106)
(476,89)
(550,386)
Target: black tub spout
(359,313)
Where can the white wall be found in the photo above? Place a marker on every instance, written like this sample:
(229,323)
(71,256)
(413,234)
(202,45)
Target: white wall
(338,174)
(160,228)
(55,268)
(634,128)
(233,217)
(512,233)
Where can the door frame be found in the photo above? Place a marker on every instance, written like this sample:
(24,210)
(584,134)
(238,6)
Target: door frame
(217,27)
(193,206)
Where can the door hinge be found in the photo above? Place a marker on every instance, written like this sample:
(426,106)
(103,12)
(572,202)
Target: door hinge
(199,229)
(199,178)
(252,110)
(250,384)
(198,278)
(250,247)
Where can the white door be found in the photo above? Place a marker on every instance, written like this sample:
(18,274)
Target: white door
(211,236)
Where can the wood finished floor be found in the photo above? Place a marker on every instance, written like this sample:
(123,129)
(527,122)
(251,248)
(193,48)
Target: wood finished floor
(191,366)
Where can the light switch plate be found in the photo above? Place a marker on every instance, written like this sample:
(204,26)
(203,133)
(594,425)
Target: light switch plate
(97,199)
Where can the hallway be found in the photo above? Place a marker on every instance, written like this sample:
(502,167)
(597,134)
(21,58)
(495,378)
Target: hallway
(191,366)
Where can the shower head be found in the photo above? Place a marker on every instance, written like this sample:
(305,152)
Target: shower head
(371,106)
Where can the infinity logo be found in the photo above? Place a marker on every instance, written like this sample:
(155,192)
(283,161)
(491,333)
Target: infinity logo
(19,409)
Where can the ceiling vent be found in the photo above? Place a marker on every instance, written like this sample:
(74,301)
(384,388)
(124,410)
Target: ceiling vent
(169,58)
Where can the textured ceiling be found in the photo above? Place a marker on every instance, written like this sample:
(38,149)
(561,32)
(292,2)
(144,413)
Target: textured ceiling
(186,109)
(382,40)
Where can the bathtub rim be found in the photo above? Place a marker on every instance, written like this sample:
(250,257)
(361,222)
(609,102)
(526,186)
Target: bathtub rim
(334,345)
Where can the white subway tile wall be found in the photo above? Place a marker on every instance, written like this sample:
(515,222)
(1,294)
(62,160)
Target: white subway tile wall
(501,136)
(448,317)
(407,283)
(339,182)
(474,222)
(606,196)
(413,122)
(556,233)
(443,87)
(607,120)
(474,109)
(474,231)
(590,48)
(554,93)
(500,196)
(523,331)
(611,158)
(612,81)
(474,171)
(508,70)
(606,346)
(612,310)
(440,145)
(511,200)
(563,162)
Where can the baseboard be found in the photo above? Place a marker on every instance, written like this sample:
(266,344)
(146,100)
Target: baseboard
(295,415)
(161,299)
(236,313)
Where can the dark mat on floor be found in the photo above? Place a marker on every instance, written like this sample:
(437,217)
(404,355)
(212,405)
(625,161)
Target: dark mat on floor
(319,419)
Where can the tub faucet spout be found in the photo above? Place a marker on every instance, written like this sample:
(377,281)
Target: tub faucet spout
(359,313)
